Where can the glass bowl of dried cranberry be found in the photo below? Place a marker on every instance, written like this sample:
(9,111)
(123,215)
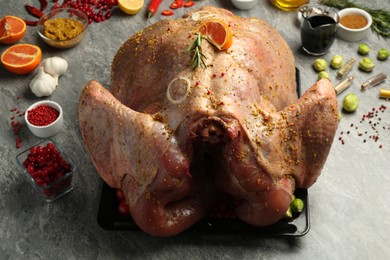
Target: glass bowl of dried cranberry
(44,118)
(48,169)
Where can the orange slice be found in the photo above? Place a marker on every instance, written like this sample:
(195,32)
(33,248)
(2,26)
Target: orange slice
(21,58)
(217,33)
(12,29)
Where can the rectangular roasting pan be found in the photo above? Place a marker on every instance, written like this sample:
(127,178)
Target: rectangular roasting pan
(110,219)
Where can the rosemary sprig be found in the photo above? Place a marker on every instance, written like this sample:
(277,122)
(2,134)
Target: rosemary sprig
(380,17)
(198,56)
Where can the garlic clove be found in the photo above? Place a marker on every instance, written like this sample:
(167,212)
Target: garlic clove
(56,79)
(55,66)
(43,84)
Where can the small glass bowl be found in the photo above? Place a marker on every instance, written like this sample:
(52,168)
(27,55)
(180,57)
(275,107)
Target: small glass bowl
(59,187)
(63,13)
(50,129)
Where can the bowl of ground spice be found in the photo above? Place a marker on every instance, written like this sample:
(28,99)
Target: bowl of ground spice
(44,118)
(354,24)
(63,27)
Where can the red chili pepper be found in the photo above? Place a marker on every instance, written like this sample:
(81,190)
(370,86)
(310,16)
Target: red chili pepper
(167,12)
(177,4)
(33,11)
(153,6)
(31,23)
(189,4)
(43,4)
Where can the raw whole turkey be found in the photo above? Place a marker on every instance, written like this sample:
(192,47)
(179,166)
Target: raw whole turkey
(174,138)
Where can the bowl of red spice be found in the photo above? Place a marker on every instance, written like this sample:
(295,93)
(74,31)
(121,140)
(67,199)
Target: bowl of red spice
(63,28)
(354,24)
(48,169)
(44,118)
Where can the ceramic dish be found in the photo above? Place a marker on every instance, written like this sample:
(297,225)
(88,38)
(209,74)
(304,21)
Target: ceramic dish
(50,129)
(354,35)
(244,4)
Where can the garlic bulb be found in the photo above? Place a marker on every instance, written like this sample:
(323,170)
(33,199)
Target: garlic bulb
(43,84)
(55,66)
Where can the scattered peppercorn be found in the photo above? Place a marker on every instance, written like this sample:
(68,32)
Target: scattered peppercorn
(42,115)
(371,120)
(16,125)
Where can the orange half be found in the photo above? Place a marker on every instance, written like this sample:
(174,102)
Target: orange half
(21,58)
(12,29)
(217,33)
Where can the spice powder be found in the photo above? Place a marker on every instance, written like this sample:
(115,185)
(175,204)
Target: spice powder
(62,28)
(353,21)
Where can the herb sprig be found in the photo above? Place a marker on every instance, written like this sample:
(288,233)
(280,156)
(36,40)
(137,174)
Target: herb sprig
(198,56)
(380,17)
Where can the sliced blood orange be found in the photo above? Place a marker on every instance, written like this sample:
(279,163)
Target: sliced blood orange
(12,29)
(21,58)
(218,33)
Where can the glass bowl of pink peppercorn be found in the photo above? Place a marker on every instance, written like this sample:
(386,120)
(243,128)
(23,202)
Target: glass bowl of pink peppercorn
(44,118)
(48,169)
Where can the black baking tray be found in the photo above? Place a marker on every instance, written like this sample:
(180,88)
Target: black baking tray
(109,217)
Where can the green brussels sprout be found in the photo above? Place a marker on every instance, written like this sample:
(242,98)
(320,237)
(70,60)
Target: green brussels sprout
(339,117)
(297,205)
(350,102)
(363,49)
(320,65)
(366,64)
(336,61)
(383,54)
(288,214)
(323,75)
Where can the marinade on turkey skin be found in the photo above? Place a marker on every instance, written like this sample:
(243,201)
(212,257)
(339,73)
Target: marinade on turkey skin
(241,130)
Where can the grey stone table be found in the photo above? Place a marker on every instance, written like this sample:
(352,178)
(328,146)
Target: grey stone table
(349,204)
